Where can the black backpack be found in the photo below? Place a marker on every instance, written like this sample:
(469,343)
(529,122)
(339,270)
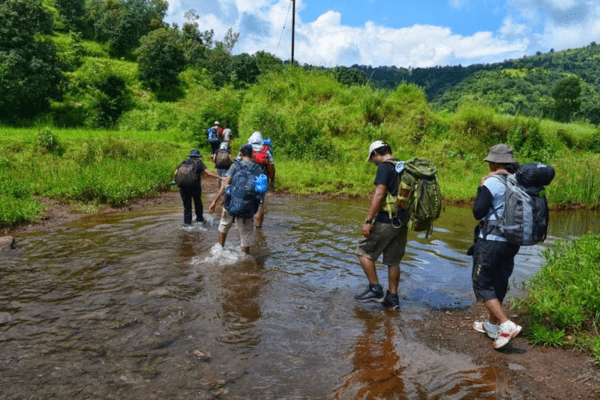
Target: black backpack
(186,175)
(241,197)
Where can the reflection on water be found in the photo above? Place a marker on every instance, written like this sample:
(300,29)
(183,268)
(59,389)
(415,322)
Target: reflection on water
(134,306)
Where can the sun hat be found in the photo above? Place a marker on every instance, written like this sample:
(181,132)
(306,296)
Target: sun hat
(216,122)
(195,153)
(374,146)
(500,154)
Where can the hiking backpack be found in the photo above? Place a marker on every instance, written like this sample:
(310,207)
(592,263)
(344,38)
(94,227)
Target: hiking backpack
(418,193)
(222,160)
(186,175)
(261,156)
(525,218)
(213,135)
(243,195)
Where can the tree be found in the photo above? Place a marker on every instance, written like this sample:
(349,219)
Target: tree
(245,71)
(121,23)
(566,94)
(161,58)
(195,43)
(266,62)
(30,71)
(350,76)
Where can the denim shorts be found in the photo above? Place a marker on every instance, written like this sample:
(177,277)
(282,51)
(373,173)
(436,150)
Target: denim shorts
(386,239)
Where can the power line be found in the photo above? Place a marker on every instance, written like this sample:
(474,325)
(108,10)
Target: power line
(284,24)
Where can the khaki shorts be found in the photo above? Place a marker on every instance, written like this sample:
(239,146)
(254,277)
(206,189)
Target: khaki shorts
(386,239)
(245,227)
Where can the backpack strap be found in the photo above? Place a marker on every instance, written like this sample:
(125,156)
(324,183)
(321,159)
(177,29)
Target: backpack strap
(488,225)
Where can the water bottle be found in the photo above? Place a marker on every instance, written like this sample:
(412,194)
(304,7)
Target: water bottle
(260,183)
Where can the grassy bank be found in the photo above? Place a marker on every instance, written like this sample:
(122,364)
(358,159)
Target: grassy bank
(320,130)
(563,302)
(74,166)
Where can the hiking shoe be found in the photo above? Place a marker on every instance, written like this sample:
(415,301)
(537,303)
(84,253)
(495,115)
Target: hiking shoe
(486,327)
(373,293)
(506,332)
(391,301)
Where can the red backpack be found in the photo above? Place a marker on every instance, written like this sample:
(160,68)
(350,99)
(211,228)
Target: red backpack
(261,156)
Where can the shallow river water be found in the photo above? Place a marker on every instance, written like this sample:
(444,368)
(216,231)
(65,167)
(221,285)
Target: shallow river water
(133,306)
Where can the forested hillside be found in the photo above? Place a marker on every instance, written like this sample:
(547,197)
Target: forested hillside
(562,85)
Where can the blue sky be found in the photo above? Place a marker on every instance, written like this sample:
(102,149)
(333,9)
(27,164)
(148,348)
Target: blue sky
(423,33)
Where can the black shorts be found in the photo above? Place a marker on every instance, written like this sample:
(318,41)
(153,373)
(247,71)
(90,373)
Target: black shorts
(493,264)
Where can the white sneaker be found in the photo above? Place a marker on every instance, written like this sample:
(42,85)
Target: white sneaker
(506,332)
(486,327)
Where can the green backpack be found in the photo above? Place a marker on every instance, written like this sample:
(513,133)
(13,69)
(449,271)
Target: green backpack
(418,193)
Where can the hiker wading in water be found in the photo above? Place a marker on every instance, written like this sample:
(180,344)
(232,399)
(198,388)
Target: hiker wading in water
(379,234)
(494,256)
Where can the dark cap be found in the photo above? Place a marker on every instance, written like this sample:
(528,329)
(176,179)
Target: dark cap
(246,150)
(500,154)
(195,153)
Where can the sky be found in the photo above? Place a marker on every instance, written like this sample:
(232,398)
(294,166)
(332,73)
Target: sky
(401,33)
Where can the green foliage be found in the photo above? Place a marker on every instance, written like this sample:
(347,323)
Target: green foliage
(48,141)
(566,94)
(244,70)
(563,296)
(30,71)
(90,167)
(527,140)
(349,76)
(541,335)
(121,23)
(160,58)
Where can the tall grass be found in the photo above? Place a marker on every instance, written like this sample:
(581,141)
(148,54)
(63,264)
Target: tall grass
(563,302)
(75,165)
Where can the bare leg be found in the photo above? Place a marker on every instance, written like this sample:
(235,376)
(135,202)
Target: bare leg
(368,267)
(393,278)
(497,314)
(222,237)
(259,216)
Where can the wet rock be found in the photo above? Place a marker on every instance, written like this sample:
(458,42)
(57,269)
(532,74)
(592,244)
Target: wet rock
(201,355)
(4,317)
(516,367)
(7,243)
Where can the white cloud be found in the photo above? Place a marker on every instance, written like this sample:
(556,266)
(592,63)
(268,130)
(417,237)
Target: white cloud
(557,24)
(458,3)
(530,25)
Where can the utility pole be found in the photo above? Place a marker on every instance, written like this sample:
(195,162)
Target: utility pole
(293,27)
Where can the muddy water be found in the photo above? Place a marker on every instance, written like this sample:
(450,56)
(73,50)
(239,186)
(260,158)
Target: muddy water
(135,306)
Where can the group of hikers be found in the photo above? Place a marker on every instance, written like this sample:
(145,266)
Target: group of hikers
(404,192)
(243,181)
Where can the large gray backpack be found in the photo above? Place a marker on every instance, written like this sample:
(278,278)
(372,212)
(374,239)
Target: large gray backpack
(525,218)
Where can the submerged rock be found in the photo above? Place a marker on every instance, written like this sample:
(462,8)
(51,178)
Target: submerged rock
(7,243)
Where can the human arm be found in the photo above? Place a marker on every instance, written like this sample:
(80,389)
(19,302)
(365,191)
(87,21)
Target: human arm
(376,203)
(213,204)
(483,203)
(211,174)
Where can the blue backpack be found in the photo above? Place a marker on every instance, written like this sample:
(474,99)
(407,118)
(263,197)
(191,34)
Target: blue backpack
(213,135)
(243,195)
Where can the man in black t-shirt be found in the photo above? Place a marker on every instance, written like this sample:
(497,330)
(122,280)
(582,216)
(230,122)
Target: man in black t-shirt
(380,235)
(193,191)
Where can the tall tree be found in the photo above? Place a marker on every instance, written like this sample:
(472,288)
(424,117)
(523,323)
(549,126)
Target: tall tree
(29,69)
(566,94)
